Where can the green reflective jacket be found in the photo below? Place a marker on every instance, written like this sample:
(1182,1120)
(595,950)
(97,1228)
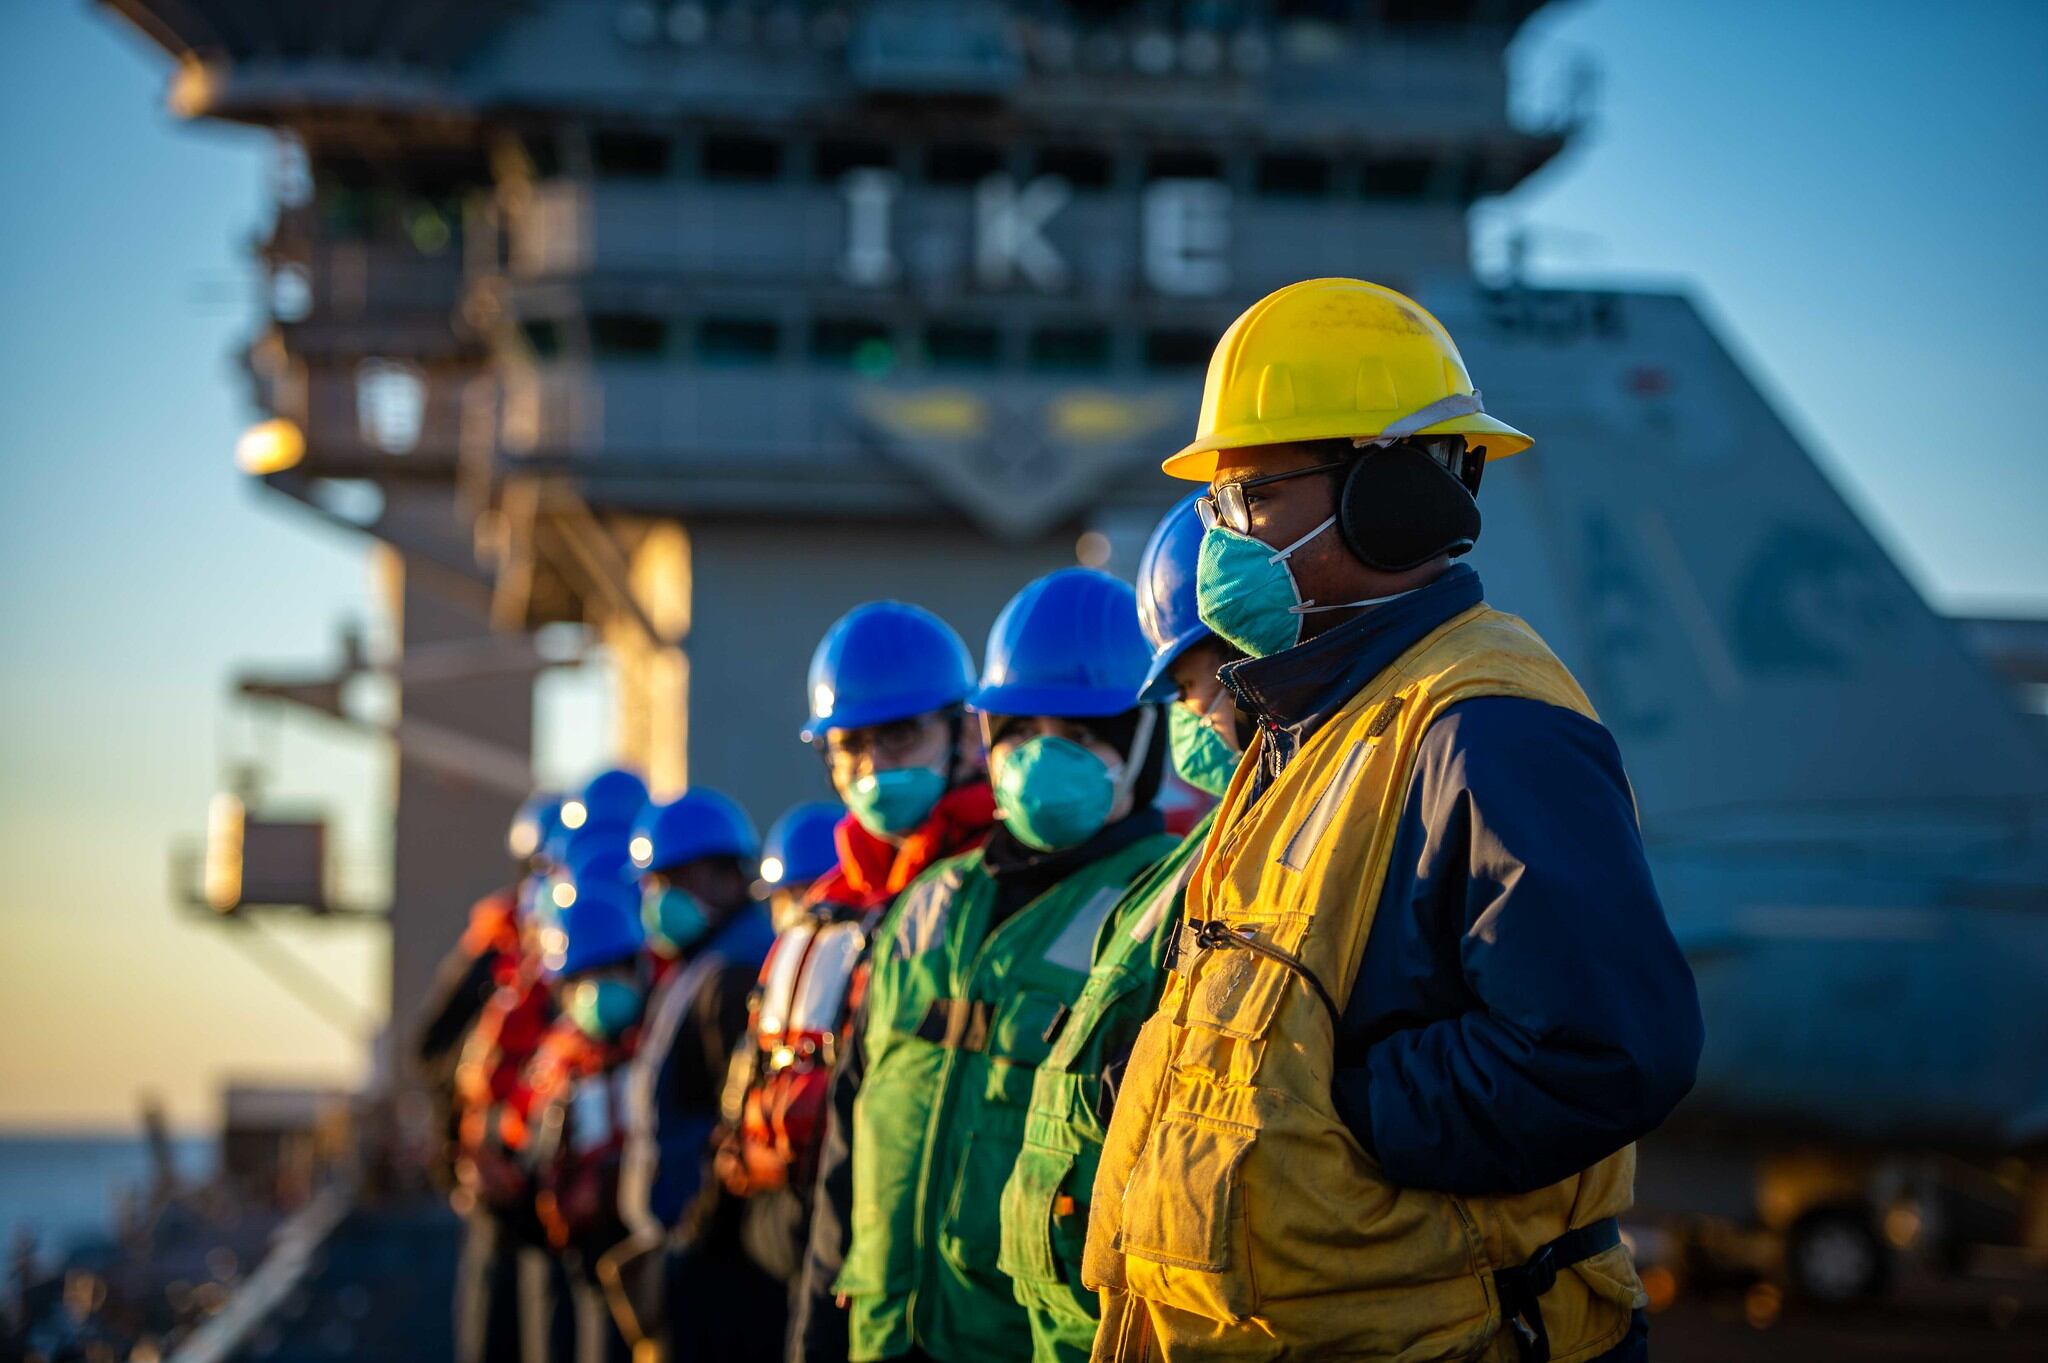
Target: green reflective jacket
(958,1020)
(1045,1201)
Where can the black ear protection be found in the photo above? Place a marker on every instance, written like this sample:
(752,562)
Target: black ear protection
(1402,505)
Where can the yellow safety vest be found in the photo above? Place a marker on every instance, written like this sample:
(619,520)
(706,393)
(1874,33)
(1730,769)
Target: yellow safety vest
(1235,1216)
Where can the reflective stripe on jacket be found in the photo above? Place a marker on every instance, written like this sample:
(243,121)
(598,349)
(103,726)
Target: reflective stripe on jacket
(1235,1214)
(958,1018)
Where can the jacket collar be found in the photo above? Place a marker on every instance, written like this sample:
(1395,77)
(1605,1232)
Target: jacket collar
(1294,692)
(1023,873)
(873,870)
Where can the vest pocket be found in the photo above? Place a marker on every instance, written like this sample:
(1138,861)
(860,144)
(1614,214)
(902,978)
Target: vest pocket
(1183,1230)
(970,1234)
(1031,1209)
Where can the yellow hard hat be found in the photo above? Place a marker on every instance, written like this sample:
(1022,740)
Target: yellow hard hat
(1329,358)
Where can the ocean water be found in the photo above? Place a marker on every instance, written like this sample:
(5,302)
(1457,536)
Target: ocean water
(61,1186)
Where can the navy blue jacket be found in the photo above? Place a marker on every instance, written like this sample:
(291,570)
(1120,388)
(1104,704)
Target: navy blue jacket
(1521,1009)
(695,1020)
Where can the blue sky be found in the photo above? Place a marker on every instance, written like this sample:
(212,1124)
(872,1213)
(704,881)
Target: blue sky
(1854,191)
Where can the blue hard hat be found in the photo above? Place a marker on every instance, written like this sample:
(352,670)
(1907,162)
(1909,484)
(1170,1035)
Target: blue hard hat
(1166,594)
(601,927)
(591,854)
(883,662)
(535,821)
(597,851)
(699,823)
(800,845)
(613,796)
(1067,645)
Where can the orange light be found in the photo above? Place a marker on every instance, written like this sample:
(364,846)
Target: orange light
(1661,1287)
(270,447)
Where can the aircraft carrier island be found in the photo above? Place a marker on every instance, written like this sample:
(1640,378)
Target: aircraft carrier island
(682,328)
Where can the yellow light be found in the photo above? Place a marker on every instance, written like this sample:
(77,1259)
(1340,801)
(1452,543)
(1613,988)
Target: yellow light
(573,814)
(525,838)
(222,872)
(771,870)
(945,413)
(564,894)
(641,849)
(270,447)
(1902,1225)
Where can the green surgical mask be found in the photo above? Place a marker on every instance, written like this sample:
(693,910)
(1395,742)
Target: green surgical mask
(1245,591)
(673,916)
(1054,793)
(891,803)
(603,1009)
(1202,756)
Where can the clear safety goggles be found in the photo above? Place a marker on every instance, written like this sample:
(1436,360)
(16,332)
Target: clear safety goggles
(1226,506)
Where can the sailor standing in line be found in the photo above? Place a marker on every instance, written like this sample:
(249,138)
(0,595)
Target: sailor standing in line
(1424,997)
(1045,1201)
(888,686)
(706,935)
(978,964)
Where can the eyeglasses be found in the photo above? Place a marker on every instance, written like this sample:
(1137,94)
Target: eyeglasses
(1225,506)
(890,742)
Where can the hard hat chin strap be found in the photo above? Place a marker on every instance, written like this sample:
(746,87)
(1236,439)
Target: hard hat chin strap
(1134,760)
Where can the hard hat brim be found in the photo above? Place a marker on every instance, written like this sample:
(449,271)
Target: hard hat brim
(883,710)
(1060,702)
(1197,462)
(1157,686)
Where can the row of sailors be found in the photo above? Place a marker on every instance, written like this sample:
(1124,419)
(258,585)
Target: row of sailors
(1348,1064)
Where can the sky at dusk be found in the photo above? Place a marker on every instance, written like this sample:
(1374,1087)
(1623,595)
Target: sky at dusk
(1852,189)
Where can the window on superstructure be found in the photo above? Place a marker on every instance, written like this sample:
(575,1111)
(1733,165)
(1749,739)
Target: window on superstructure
(962,346)
(1178,348)
(1425,13)
(623,155)
(1081,167)
(961,163)
(737,340)
(1399,176)
(1293,174)
(543,337)
(858,343)
(542,154)
(627,334)
(1329,11)
(741,158)
(835,157)
(1183,165)
(1069,350)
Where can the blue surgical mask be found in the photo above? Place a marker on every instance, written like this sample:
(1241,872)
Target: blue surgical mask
(603,1009)
(891,803)
(1245,591)
(1202,756)
(673,916)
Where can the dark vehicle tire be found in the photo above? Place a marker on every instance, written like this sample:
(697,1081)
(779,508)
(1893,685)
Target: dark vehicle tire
(1834,1255)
